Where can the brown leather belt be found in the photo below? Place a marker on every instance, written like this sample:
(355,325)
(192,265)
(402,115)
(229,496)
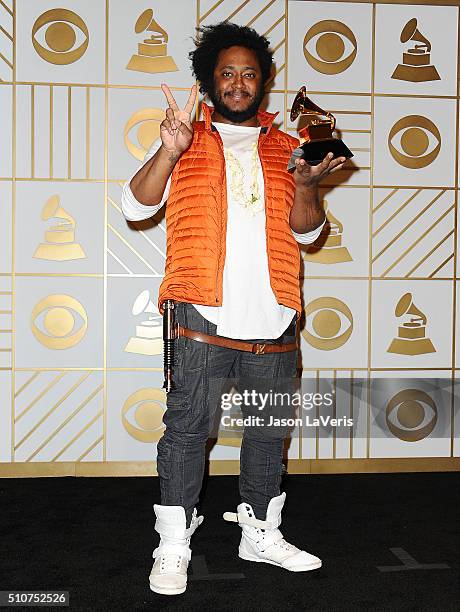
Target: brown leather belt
(239,345)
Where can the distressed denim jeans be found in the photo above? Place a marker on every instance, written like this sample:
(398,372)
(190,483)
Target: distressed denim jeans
(200,373)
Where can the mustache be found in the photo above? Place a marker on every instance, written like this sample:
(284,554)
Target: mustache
(237,92)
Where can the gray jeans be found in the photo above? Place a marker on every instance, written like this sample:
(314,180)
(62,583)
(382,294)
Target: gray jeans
(201,372)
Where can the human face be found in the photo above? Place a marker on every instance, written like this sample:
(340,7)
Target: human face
(238,89)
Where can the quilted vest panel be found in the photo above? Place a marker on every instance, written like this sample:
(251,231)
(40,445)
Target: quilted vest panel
(196,218)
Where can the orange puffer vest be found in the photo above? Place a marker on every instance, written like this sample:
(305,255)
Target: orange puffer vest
(196,218)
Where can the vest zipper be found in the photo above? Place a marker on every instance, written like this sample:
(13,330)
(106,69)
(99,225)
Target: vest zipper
(224,183)
(262,164)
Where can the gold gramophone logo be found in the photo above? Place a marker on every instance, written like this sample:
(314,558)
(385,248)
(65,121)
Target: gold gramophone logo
(149,333)
(420,141)
(327,323)
(147,121)
(331,250)
(415,65)
(152,52)
(64,29)
(148,406)
(59,242)
(406,415)
(59,314)
(411,338)
(335,46)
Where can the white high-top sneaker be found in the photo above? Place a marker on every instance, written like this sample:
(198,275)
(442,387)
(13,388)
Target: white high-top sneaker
(263,542)
(169,572)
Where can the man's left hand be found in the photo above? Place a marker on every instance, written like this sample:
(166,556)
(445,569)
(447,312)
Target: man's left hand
(306,175)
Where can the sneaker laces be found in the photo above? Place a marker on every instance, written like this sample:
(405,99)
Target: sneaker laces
(282,544)
(287,546)
(170,563)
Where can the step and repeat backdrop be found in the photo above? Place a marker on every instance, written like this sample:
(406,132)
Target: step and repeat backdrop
(80,334)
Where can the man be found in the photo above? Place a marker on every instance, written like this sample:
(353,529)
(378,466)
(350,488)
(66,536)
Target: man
(234,216)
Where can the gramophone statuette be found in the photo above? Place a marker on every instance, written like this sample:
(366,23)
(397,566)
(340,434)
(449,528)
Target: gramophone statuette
(316,136)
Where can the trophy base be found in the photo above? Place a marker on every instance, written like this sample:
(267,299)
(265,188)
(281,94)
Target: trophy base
(59,252)
(141,63)
(316,150)
(419,346)
(144,346)
(415,74)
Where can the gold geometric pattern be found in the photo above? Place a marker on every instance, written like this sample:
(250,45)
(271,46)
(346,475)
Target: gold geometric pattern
(61,125)
(413,234)
(133,252)
(58,415)
(6,41)
(6,311)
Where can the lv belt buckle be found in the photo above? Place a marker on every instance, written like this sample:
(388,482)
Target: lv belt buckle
(258,349)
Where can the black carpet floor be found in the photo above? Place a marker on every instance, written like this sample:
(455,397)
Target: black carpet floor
(387,541)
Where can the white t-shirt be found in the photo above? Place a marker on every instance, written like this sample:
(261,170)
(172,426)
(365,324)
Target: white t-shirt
(249,308)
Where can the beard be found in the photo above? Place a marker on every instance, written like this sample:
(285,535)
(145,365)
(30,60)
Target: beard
(236,116)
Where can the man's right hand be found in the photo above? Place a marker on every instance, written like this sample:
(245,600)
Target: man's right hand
(176,131)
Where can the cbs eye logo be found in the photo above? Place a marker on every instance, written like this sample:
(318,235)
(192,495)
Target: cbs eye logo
(59,316)
(407,418)
(420,141)
(147,122)
(60,36)
(334,44)
(324,330)
(148,406)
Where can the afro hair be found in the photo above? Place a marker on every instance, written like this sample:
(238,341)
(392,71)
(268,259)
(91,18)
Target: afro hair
(212,39)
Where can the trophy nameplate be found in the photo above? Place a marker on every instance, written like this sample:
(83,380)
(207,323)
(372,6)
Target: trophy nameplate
(316,137)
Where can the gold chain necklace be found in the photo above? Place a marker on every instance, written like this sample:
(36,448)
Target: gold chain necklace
(251,202)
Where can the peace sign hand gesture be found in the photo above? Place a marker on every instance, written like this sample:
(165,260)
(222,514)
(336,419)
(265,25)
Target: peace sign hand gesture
(176,130)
